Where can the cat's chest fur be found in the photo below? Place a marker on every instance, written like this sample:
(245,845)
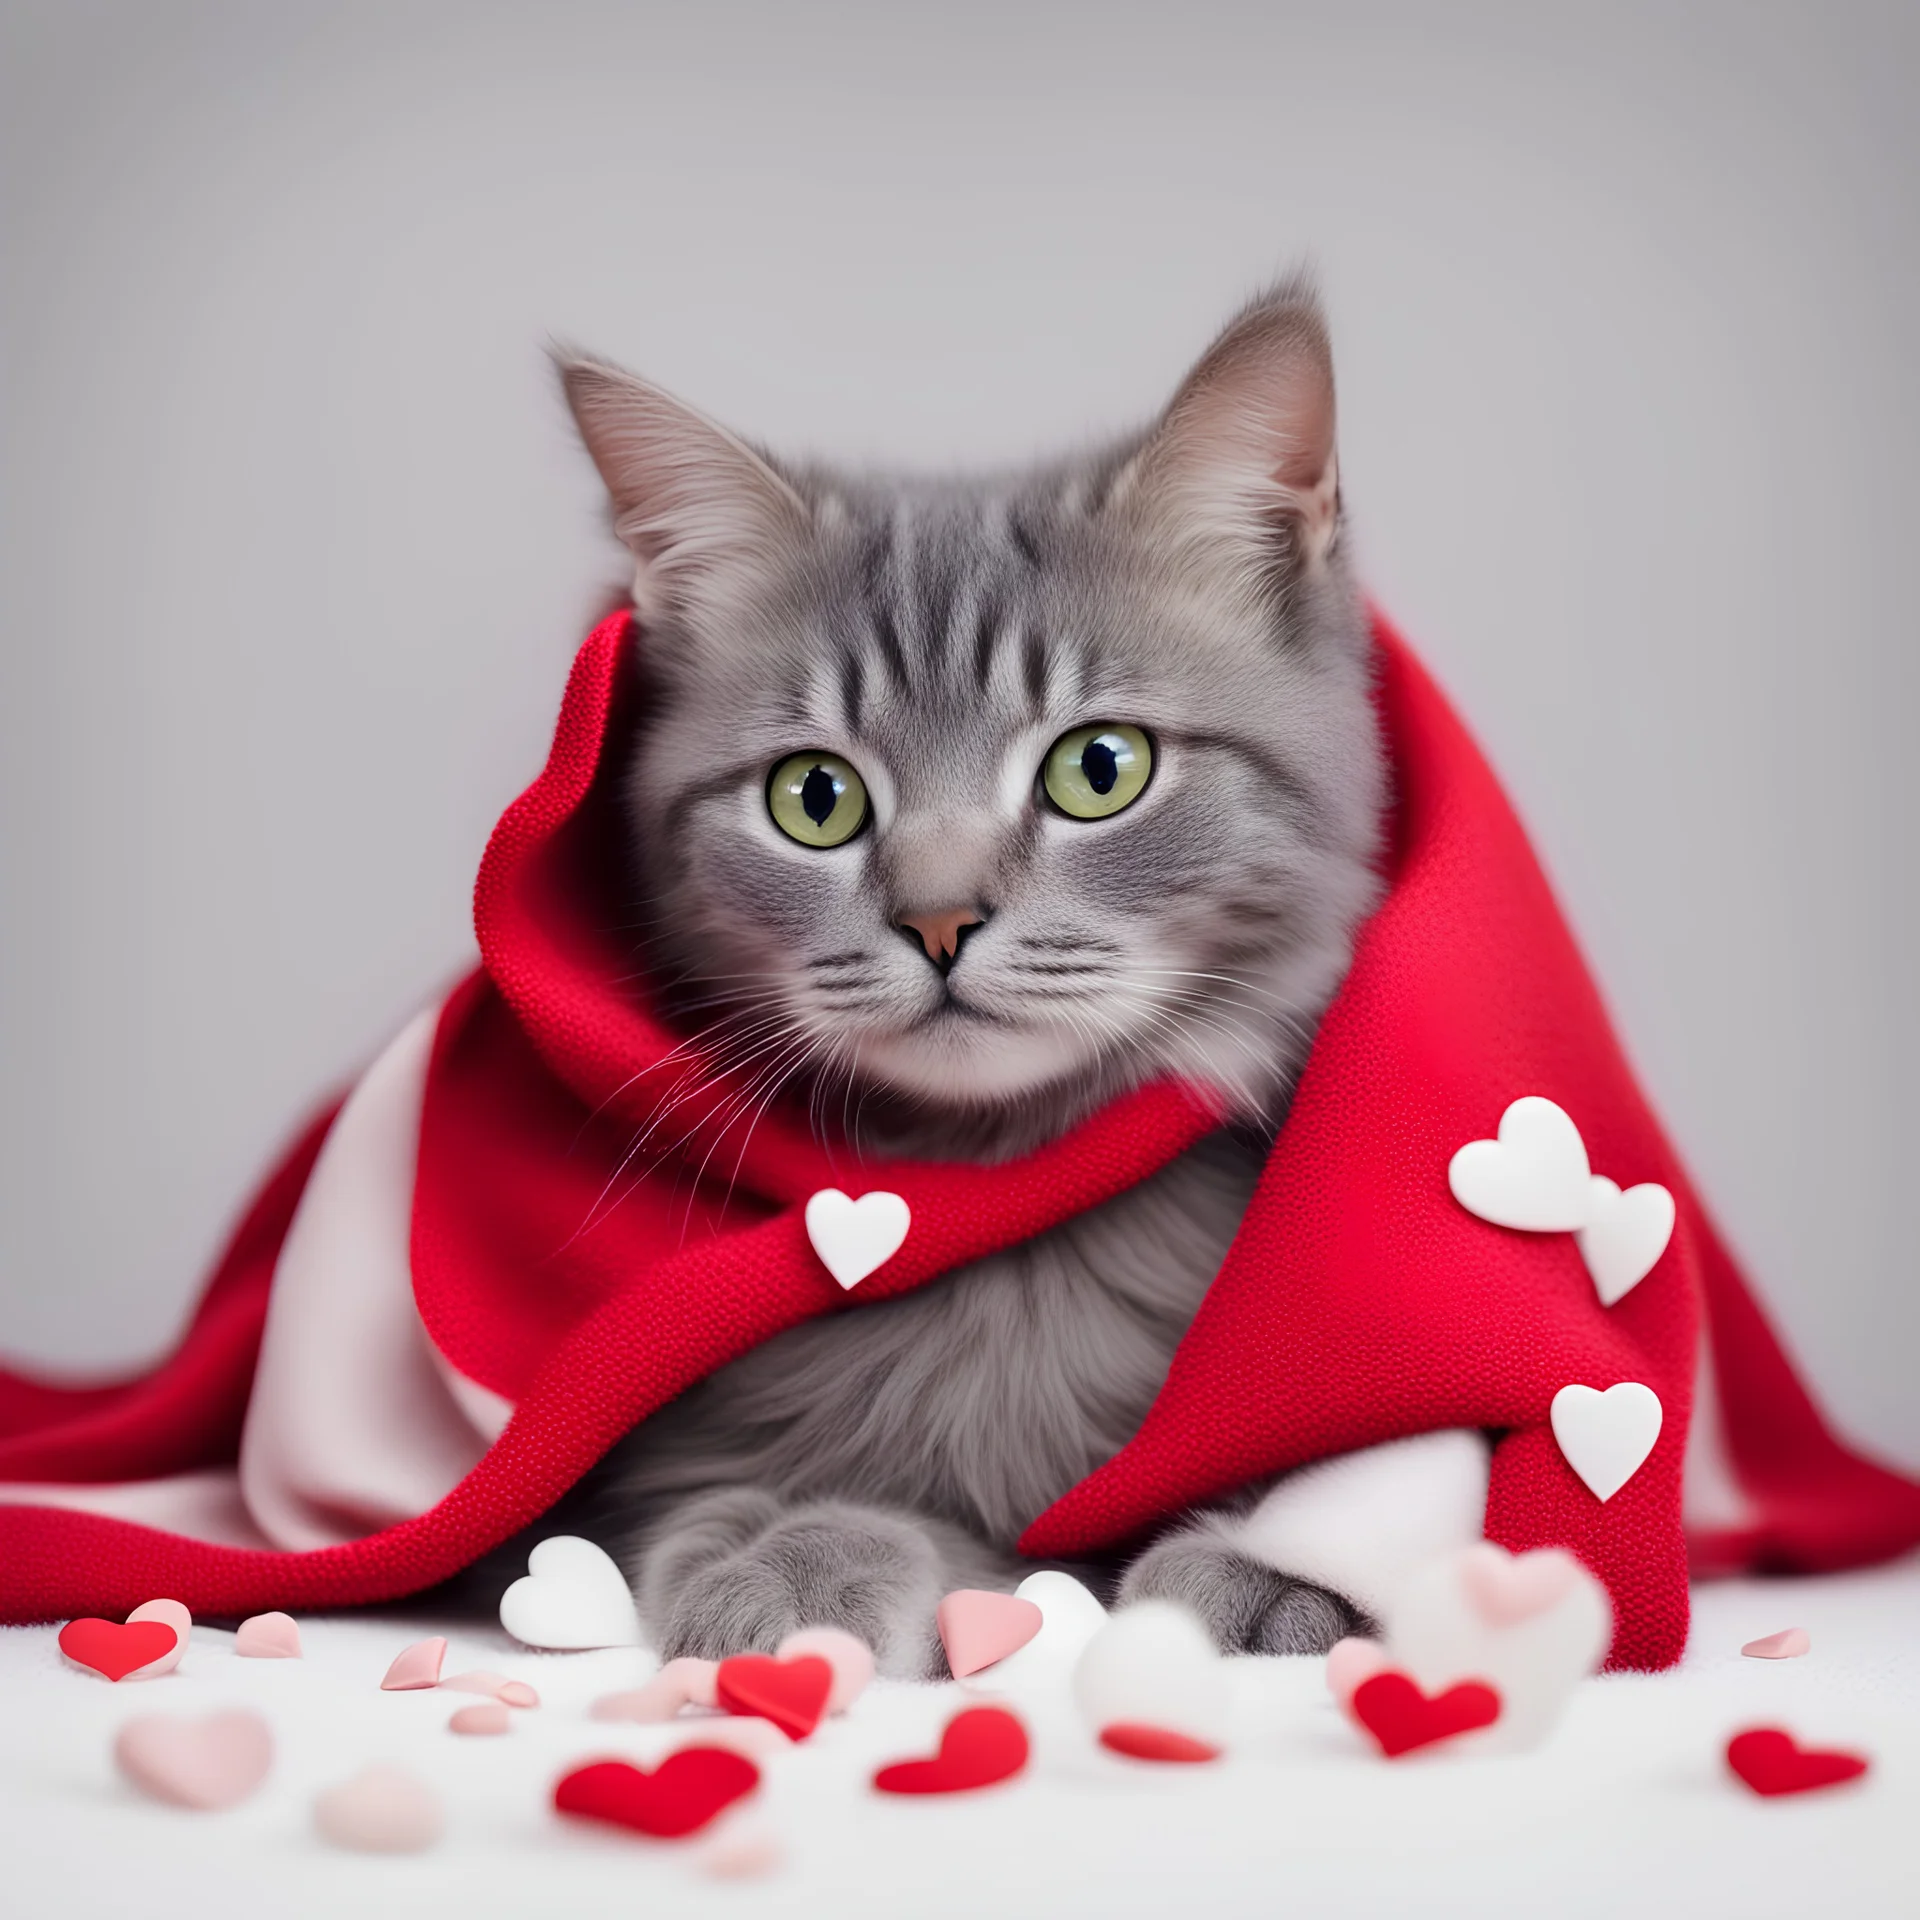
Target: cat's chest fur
(982,1397)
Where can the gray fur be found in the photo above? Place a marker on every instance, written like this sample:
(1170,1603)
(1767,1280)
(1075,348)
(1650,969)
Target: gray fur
(940,635)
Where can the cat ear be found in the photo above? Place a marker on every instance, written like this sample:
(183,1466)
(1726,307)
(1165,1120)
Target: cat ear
(698,509)
(1244,457)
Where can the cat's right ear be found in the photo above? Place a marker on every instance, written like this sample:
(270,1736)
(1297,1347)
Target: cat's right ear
(699,510)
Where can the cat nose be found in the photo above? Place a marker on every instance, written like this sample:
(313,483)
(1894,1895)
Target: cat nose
(940,933)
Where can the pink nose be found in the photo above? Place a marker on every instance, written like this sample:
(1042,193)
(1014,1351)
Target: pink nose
(940,932)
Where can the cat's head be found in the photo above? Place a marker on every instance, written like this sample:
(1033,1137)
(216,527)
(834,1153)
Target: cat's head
(980,800)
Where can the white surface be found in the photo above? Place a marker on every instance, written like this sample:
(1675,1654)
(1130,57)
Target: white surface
(1628,1810)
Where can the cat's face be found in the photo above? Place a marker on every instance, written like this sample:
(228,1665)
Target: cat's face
(998,797)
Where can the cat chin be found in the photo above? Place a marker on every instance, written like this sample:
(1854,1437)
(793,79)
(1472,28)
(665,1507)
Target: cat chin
(966,1068)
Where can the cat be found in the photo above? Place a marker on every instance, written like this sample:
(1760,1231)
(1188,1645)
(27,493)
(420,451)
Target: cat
(959,807)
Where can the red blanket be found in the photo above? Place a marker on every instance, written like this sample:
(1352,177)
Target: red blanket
(1360,1301)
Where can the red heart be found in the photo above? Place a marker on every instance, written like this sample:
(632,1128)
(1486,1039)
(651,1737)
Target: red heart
(791,1693)
(1400,1717)
(1140,1741)
(980,1746)
(1770,1761)
(114,1650)
(685,1791)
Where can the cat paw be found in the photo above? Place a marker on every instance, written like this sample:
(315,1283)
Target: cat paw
(876,1575)
(1246,1605)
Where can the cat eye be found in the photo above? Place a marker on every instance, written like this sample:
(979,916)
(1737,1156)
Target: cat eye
(817,799)
(1094,771)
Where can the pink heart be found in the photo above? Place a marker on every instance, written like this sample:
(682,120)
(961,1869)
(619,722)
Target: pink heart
(383,1810)
(215,1762)
(415,1666)
(979,1628)
(1350,1663)
(1506,1588)
(496,1686)
(268,1636)
(850,1659)
(491,1718)
(680,1683)
(168,1613)
(1789,1644)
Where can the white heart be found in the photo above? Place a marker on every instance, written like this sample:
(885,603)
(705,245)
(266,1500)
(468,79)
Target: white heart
(1153,1664)
(1438,1632)
(1624,1235)
(1606,1436)
(1535,1176)
(573,1597)
(1070,1616)
(855,1237)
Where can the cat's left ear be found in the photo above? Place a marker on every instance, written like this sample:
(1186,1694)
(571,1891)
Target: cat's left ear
(1244,461)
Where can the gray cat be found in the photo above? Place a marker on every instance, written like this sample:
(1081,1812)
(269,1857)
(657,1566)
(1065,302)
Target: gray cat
(960,807)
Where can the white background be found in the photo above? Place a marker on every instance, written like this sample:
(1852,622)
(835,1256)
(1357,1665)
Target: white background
(297,545)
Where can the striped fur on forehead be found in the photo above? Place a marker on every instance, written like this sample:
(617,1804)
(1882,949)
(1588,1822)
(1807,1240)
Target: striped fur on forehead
(939,635)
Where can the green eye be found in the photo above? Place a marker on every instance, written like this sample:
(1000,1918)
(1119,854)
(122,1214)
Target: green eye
(817,799)
(1094,771)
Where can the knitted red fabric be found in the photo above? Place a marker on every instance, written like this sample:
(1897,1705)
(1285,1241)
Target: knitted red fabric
(590,1283)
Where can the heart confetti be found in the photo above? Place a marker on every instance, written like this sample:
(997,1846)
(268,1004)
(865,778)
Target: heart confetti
(1351,1661)
(1606,1437)
(1507,1588)
(981,1747)
(416,1667)
(1139,1742)
(573,1597)
(1772,1762)
(978,1628)
(114,1650)
(495,1686)
(489,1718)
(381,1810)
(204,1764)
(169,1613)
(850,1659)
(792,1694)
(1534,1176)
(1402,1719)
(684,1793)
(855,1238)
(1624,1236)
(1788,1644)
(268,1636)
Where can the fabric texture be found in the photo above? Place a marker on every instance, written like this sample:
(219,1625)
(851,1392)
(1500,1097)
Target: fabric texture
(585,1279)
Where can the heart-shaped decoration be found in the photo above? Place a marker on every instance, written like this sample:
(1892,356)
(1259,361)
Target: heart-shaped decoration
(1069,1618)
(381,1810)
(1788,1644)
(495,1686)
(850,1659)
(416,1667)
(1402,1719)
(1625,1235)
(1606,1437)
(1351,1661)
(1531,1627)
(1771,1762)
(573,1597)
(1154,1665)
(116,1651)
(684,1682)
(981,1747)
(268,1636)
(680,1796)
(169,1613)
(489,1718)
(792,1694)
(855,1238)
(1534,1176)
(1506,1587)
(215,1762)
(977,1628)
(1139,1742)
